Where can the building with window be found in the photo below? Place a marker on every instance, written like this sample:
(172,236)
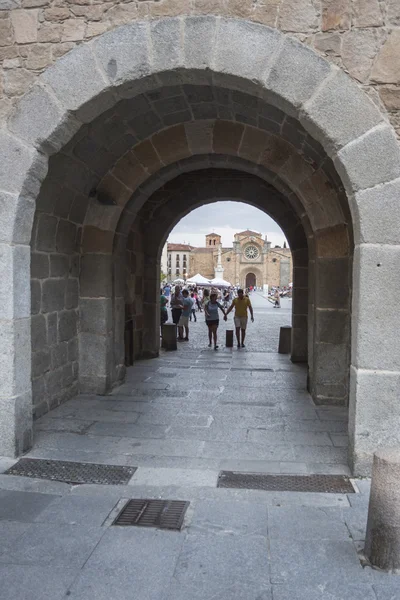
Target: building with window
(250,261)
(178,260)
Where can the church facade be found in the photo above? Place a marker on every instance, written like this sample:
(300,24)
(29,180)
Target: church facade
(251,261)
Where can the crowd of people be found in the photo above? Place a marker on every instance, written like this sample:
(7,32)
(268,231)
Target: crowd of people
(183,304)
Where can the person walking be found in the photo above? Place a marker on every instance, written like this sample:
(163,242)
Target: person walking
(277,298)
(184,318)
(176,305)
(163,308)
(241,304)
(193,310)
(212,319)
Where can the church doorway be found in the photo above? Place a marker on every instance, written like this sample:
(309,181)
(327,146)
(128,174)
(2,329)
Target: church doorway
(251,280)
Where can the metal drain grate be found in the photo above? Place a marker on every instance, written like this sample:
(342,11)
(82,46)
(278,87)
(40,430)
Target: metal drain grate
(71,472)
(163,514)
(327,484)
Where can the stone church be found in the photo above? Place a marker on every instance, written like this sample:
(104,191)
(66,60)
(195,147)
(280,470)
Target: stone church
(251,261)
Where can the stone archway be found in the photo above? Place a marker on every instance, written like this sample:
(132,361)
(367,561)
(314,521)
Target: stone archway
(140,58)
(251,280)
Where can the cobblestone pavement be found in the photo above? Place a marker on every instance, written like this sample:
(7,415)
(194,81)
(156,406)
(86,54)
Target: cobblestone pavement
(181,419)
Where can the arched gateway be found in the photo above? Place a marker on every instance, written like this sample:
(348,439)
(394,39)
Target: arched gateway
(117,141)
(251,280)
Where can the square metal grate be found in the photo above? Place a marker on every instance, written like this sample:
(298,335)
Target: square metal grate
(327,484)
(163,514)
(72,472)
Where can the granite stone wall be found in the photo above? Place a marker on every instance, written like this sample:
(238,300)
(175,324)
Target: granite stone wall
(362,37)
(55,267)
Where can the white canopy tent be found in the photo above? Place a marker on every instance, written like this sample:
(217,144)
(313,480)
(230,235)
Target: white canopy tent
(220,283)
(198,280)
(178,281)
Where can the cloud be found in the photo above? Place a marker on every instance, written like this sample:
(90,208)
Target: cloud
(226,219)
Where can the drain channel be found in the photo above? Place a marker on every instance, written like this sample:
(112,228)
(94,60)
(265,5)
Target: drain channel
(326,484)
(163,514)
(72,472)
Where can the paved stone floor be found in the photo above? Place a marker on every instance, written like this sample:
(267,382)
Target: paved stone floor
(181,419)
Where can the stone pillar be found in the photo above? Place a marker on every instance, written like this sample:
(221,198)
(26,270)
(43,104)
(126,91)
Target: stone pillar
(151,308)
(15,350)
(299,351)
(96,324)
(331,317)
(382,546)
(374,415)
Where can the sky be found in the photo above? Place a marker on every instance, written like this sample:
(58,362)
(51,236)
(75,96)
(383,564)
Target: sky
(226,219)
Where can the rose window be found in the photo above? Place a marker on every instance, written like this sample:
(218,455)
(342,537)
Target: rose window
(251,252)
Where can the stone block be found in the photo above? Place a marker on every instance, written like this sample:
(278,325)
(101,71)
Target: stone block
(53,295)
(336,14)
(36,296)
(72,294)
(359,49)
(166,39)
(38,333)
(16,218)
(46,233)
(73,350)
(297,16)
(39,265)
(95,315)
(67,325)
(332,327)
(199,42)
(59,355)
(377,214)
(171,144)
(38,393)
(41,122)
(375,308)
(96,276)
(67,375)
(59,265)
(227,137)
(386,67)
(25,25)
(52,331)
(326,121)
(331,363)
(15,299)
(16,424)
(41,363)
(370,160)
(374,416)
(23,168)
(382,544)
(15,362)
(94,352)
(124,53)
(253,57)
(66,237)
(89,84)
(332,275)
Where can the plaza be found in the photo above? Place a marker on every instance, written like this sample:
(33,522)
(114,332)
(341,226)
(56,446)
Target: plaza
(181,419)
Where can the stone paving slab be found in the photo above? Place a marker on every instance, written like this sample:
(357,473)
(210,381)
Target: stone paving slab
(67,546)
(27,582)
(22,506)
(174,477)
(129,562)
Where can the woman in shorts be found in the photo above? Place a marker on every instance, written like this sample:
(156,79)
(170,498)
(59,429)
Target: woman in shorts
(212,318)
